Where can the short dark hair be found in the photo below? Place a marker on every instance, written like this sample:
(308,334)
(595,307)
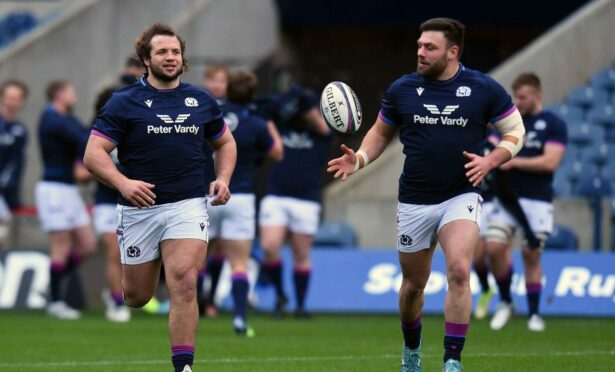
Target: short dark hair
(133,61)
(54,87)
(453,30)
(15,83)
(241,86)
(143,45)
(527,78)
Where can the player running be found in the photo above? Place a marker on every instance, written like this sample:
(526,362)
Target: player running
(234,223)
(442,112)
(159,127)
(531,176)
(60,208)
(292,204)
(13,141)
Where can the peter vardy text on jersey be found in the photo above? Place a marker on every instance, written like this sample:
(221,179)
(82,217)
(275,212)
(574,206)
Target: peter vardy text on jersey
(161,129)
(444,120)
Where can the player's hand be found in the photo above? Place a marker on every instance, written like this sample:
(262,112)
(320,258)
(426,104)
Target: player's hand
(220,190)
(138,193)
(477,168)
(343,166)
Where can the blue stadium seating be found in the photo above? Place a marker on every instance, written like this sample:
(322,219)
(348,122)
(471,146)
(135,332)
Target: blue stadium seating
(604,79)
(14,25)
(562,239)
(602,154)
(570,114)
(562,187)
(587,97)
(335,234)
(585,135)
(603,115)
(594,186)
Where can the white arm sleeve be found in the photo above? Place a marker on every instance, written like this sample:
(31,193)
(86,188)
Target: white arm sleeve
(512,126)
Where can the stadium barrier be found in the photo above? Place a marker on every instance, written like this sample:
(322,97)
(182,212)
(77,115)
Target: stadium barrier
(575,284)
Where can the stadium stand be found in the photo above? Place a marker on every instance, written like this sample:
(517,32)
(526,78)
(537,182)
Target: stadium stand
(335,234)
(562,239)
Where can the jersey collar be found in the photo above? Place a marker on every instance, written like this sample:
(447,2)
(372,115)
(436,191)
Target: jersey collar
(143,81)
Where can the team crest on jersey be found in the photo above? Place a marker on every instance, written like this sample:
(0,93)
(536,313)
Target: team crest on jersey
(540,125)
(463,91)
(231,120)
(191,102)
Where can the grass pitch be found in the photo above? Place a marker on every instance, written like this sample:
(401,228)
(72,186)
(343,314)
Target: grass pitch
(30,341)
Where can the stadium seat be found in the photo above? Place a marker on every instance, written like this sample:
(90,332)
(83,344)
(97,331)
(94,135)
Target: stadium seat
(604,79)
(335,234)
(572,153)
(601,154)
(577,171)
(594,186)
(20,22)
(561,185)
(572,115)
(587,97)
(603,115)
(584,134)
(610,135)
(561,239)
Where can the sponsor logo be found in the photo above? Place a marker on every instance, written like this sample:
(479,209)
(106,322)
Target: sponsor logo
(179,120)
(202,226)
(297,141)
(176,128)
(443,118)
(231,120)
(405,240)
(332,107)
(463,91)
(191,102)
(133,251)
(149,103)
(420,90)
(470,208)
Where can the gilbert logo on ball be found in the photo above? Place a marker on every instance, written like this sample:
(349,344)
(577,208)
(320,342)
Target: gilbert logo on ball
(340,108)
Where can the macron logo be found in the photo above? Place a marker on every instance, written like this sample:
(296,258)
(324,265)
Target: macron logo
(179,120)
(449,109)
(149,103)
(419,91)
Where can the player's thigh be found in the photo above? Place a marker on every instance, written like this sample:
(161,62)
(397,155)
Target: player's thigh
(237,252)
(182,260)
(301,244)
(59,245)
(84,239)
(458,239)
(273,223)
(214,217)
(139,281)
(416,227)
(239,220)
(501,228)
(416,267)
(111,247)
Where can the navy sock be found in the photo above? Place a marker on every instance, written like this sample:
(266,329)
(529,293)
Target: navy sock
(412,333)
(533,297)
(301,280)
(214,268)
(274,271)
(240,290)
(74,261)
(483,278)
(504,286)
(182,355)
(57,272)
(454,339)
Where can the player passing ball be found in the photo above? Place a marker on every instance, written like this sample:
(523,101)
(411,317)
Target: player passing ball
(441,112)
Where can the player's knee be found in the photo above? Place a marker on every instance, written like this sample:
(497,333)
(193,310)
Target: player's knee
(458,274)
(530,257)
(135,298)
(411,290)
(184,284)
(498,233)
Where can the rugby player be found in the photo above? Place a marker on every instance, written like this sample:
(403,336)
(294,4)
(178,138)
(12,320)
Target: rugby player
(13,141)
(442,111)
(61,209)
(531,176)
(292,203)
(159,126)
(234,224)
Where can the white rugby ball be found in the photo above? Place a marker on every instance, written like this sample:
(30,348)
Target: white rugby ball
(340,108)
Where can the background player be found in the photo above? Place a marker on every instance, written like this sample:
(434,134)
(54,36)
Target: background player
(531,177)
(105,225)
(292,204)
(234,224)
(436,201)
(13,141)
(215,81)
(162,210)
(61,210)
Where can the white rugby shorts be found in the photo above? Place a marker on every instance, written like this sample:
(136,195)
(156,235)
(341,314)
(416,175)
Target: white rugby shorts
(105,219)
(486,216)
(235,220)
(539,215)
(300,216)
(140,231)
(419,224)
(60,206)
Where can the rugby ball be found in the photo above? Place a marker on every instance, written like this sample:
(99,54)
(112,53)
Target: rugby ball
(340,108)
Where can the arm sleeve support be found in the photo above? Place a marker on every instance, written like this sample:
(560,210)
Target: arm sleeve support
(512,126)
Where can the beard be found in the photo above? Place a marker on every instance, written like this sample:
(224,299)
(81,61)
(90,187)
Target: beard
(434,70)
(158,73)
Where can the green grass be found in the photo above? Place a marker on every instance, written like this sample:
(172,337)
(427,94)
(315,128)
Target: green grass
(29,341)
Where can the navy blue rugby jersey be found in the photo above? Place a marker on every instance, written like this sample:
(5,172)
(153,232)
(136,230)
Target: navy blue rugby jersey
(544,128)
(160,136)
(105,194)
(13,140)
(62,139)
(253,142)
(439,120)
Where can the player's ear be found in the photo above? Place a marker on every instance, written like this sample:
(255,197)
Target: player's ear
(453,52)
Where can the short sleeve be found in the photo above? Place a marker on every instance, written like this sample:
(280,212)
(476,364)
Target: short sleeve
(109,124)
(500,105)
(388,107)
(558,132)
(216,127)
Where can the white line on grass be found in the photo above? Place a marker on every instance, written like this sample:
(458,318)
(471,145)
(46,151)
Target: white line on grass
(91,363)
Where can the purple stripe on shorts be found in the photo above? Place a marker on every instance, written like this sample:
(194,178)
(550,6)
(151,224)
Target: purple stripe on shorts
(456,329)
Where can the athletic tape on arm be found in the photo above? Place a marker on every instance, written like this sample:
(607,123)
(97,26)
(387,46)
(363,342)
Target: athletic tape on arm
(512,125)
(357,164)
